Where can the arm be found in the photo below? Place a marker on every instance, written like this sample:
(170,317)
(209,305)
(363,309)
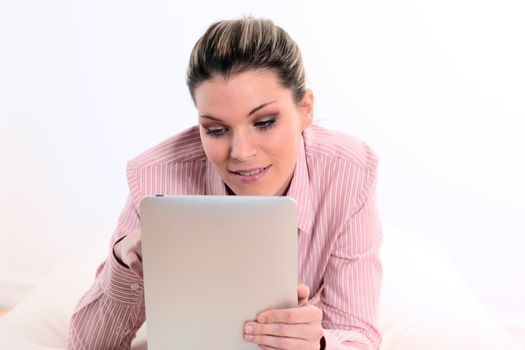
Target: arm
(112,310)
(352,283)
(347,315)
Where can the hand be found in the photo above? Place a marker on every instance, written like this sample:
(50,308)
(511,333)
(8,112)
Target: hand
(128,251)
(294,328)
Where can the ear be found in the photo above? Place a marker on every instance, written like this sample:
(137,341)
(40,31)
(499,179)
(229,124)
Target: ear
(307,108)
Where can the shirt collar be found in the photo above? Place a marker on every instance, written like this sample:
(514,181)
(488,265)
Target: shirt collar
(299,189)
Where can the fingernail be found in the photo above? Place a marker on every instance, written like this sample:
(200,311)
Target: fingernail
(248,329)
(261,319)
(248,336)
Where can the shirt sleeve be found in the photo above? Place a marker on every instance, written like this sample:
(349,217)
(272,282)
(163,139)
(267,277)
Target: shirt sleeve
(352,282)
(112,310)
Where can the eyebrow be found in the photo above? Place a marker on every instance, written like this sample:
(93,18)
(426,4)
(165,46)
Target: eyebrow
(261,106)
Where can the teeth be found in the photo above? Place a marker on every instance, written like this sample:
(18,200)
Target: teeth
(251,172)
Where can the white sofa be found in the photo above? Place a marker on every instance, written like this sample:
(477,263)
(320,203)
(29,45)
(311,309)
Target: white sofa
(425,305)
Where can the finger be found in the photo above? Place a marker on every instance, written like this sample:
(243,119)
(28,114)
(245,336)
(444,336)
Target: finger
(304,314)
(138,249)
(316,299)
(134,263)
(136,266)
(299,331)
(303,292)
(276,342)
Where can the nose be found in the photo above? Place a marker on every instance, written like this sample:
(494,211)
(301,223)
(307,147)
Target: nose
(242,146)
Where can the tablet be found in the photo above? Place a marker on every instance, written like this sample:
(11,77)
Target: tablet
(211,263)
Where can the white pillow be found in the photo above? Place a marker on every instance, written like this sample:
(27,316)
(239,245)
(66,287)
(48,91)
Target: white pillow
(41,321)
(425,305)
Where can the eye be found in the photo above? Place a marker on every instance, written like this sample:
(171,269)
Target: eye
(265,124)
(216,132)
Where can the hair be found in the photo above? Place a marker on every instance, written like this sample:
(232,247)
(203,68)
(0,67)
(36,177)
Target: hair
(231,47)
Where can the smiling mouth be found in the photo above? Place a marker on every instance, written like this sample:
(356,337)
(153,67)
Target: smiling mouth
(250,172)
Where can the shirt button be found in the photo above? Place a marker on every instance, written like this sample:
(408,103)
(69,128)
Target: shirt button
(134,286)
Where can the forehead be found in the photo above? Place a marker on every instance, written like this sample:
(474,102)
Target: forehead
(240,91)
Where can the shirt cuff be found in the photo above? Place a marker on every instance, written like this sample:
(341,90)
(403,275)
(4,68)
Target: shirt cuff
(355,340)
(120,283)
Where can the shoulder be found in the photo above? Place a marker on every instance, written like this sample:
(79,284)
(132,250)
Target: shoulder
(185,146)
(341,165)
(175,166)
(335,146)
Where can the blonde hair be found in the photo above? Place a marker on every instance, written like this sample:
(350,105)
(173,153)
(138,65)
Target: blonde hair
(231,47)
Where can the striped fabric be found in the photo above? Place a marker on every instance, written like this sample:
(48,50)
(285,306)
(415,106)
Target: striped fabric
(338,226)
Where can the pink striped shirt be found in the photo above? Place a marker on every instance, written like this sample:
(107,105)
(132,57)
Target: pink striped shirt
(338,225)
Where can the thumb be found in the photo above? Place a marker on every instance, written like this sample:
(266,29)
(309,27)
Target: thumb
(303,292)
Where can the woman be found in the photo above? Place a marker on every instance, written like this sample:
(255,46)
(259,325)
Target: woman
(255,137)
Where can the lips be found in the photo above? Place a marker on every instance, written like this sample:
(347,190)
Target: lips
(249,172)
(252,175)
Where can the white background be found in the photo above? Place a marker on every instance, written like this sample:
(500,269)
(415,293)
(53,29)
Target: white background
(435,87)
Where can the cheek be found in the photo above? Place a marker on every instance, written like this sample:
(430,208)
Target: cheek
(215,149)
(283,146)
(286,140)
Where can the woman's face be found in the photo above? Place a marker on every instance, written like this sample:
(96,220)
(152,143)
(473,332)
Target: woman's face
(250,128)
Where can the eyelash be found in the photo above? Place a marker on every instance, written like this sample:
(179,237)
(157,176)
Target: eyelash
(263,126)
(266,124)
